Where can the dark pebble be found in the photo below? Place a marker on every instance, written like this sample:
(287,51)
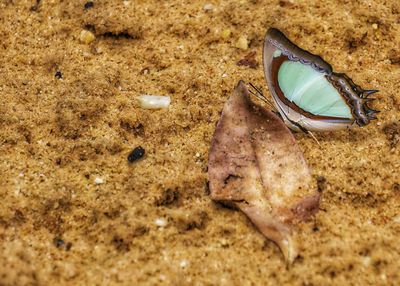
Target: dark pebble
(89,5)
(35,7)
(68,246)
(136,154)
(321,183)
(58,75)
(58,242)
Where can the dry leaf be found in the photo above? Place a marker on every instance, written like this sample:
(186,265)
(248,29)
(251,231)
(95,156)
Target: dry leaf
(256,165)
(249,60)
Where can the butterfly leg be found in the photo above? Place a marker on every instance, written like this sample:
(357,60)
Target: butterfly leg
(308,132)
(313,137)
(257,92)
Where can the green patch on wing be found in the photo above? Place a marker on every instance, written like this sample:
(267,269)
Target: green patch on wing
(311,91)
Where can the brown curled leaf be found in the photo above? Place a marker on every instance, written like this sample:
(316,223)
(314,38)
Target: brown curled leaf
(255,164)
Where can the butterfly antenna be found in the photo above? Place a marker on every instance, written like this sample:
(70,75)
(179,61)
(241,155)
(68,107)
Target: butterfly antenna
(257,92)
(313,137)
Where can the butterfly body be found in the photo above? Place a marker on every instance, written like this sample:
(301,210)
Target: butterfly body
(308,94)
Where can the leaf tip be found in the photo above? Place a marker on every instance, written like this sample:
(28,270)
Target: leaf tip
(289,249)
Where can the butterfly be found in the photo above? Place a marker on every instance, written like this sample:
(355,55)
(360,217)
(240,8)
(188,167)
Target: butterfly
(306,91)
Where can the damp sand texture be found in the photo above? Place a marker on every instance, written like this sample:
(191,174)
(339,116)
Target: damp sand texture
(75,211)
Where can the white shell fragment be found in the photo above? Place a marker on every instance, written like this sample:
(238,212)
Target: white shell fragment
(160,222)
(98,181)
(154,101)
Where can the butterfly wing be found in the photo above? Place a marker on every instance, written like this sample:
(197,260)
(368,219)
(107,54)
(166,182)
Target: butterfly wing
(306,92)
(311,91)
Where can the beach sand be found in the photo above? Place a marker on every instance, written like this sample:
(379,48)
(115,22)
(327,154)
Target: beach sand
(74,211)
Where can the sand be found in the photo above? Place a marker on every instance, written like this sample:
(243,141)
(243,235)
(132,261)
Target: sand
(74,211)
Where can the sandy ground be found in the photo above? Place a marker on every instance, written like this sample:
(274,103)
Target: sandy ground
(73,210)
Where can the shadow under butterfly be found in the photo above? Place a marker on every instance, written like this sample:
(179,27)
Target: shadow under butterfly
(308,94)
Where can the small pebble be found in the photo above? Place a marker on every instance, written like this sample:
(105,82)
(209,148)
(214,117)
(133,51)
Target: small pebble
(183,264)
(225,34)
(98,181)
(136,154)
(366,261)
(86,37)
(242,43)
(397,219)
(89,5)
(58,75)
(374,26)
(160,222)
(224,242)
(208,7)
